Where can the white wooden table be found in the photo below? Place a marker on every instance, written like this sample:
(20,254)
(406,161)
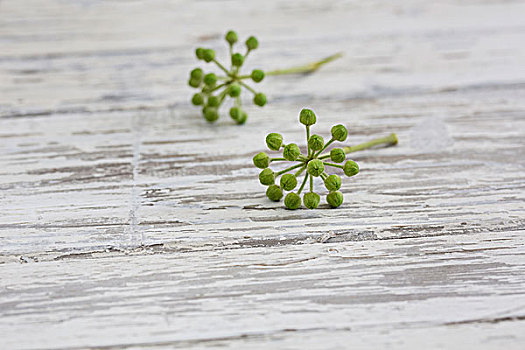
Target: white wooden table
(127,222)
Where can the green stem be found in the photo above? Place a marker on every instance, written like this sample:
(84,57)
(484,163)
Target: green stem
(248,87)
(307,68)
(288,169)
(276,159)
(218,87)
(325,146)
(324,176)
(308,138)
(300,171)
(221,67)
(389,140)
(334,165)
(311,183)
(302,185)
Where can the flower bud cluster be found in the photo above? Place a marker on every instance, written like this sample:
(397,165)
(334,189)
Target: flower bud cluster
(214,89)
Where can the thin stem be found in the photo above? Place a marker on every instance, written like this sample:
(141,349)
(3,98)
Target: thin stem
(276,159)
(334,165)
(304,183)
(300,171)
(308,138)
(324,176)
(288,169)
(307,68)
(218,87)
(248,87)
(311,183)
(244,77)
(221,67)
(237,101)
(325,146)
(386,141)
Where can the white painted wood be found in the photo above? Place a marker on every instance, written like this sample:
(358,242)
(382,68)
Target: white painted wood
(144,227)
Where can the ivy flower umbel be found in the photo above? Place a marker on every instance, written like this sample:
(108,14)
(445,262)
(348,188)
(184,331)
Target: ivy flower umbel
(216,88)
(313,164)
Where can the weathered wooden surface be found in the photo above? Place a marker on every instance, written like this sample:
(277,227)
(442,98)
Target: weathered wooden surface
(127,222)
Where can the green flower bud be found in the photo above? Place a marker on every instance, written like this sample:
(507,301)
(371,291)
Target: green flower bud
(315,167)
(194,83)
(274,193)
(199,52)
(231,37)
(288,182)
(311,200)
(332,183)
(243,118)
(235,113)
(257,75)
(339,132)
(261,160)
(234,90)
(237,59)
(337,155)
(252,43)
(292,201)
(274,141)
(291,152)
(210,114)
(334,199)
(196,74)
(307,117)
(260,99)
(208,55)
(210,79)
(197,99)
(351,168)
(214,101)
(316,142)
(267,177)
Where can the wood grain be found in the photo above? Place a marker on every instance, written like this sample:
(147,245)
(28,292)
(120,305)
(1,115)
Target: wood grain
(128,222)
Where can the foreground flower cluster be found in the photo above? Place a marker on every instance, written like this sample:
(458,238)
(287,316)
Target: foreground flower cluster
(313,164)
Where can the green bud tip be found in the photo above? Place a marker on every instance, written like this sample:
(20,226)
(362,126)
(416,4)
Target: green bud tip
(274,141)
(274,193)
(235,113)
(351,168)
(307,117)
(234,90)
(337,155)
(210,114)
(243,118)
(315,167)
(261,160)
(267,177)
(237,59)
(196,73)
(334,199)
(316,142)
(339,132)
(252,43)
(292,201)
(231,37)
(197,99)
(311,200)
(199,52)
(257,75)
(291,152)
(194,83)
(210,79)
(259,99)
(214,101)
(208,55)
(288,182)
(332,183)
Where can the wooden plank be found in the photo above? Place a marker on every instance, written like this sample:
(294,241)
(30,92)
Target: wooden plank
(144,227)
(463,291)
